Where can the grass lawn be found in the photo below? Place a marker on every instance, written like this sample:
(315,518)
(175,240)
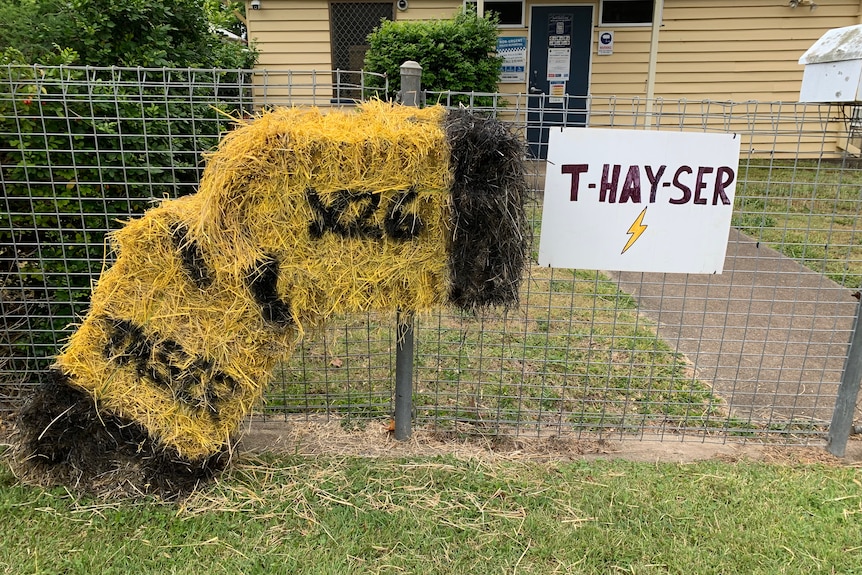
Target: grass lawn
(576,353)
(808,211)
(445,515)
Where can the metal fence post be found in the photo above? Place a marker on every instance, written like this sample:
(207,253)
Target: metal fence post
(411,82)
(848,391)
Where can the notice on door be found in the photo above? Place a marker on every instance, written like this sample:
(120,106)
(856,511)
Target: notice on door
(559,25)
(557,90)
(559,31)
(634,200)
(559,60)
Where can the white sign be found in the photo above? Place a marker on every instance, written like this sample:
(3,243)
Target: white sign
(513,50)
(606,43)
(634,200)
(558,63)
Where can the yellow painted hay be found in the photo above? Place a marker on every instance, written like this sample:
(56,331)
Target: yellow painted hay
(254,206)
(299,215)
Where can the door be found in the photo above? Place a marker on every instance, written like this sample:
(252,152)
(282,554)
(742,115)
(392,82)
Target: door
(559,64)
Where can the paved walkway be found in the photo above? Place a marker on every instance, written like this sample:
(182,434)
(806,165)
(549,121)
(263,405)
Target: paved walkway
(769,334)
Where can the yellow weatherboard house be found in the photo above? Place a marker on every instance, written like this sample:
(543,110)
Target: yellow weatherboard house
(300,215)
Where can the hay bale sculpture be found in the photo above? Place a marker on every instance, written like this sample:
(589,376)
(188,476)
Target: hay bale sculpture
(300,215)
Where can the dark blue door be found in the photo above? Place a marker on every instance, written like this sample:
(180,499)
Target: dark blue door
(559,71)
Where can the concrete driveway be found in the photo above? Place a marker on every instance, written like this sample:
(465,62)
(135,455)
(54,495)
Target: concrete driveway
(768,334)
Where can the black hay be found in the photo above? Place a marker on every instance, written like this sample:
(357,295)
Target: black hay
(488,251)
(59,438)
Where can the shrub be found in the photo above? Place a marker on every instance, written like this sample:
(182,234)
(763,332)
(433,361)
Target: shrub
(82,150)
(123,32)
(456,55)
(80,153)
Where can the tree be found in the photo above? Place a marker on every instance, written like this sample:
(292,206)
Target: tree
(227,15)
(458,54)
(31,31)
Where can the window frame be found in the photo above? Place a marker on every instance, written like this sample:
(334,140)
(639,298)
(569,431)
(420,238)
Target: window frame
(345,93)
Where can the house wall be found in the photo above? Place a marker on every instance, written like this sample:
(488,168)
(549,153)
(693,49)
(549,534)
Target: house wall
(291,34)
(429,9)
(737,49)
(727,50)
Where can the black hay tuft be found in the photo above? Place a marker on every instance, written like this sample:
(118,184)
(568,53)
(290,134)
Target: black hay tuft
(60,438)
(488,253)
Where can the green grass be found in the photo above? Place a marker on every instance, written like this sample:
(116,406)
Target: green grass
(806,210)
(575,353)
(445,515)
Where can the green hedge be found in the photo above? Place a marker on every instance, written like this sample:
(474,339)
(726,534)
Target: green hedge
(458,54)
(81,151)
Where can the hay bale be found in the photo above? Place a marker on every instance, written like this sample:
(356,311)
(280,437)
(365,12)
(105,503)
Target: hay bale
(300,215)
(186,362)
(61,439)
(490,234)
(353,207)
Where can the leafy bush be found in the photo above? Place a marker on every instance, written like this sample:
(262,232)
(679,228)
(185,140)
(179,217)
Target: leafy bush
(83,150)
(122,33)
(33,28)
(457,54)
(80,153)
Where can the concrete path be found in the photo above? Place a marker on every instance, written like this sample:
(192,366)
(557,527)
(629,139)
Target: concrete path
(768,334)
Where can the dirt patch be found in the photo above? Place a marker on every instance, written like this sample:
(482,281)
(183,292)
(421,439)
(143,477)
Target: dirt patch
(375,440)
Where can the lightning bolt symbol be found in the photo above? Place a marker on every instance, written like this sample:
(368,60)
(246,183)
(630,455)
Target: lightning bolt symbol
(636,230)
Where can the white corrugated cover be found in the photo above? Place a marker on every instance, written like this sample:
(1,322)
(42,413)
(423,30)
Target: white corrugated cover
(833,67)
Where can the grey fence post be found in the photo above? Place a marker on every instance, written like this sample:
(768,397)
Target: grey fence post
(411,82)
(848,391)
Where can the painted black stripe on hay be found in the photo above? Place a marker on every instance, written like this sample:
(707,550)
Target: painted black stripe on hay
(263,283)
(61,438)
(488,252)
(128,345)
(191,257)
(193,380)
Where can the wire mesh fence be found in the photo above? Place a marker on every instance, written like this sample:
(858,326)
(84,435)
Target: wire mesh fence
(756,352)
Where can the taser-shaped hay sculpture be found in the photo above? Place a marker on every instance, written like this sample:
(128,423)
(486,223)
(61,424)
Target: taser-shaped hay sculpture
(300,215)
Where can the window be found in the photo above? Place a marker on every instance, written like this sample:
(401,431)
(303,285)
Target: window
(350,23)
(626,12)
(511,12)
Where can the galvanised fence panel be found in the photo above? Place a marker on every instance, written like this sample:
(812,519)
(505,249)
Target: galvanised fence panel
(754,353)
(84,149)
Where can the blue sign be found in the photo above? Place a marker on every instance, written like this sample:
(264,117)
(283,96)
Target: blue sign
(513,50)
